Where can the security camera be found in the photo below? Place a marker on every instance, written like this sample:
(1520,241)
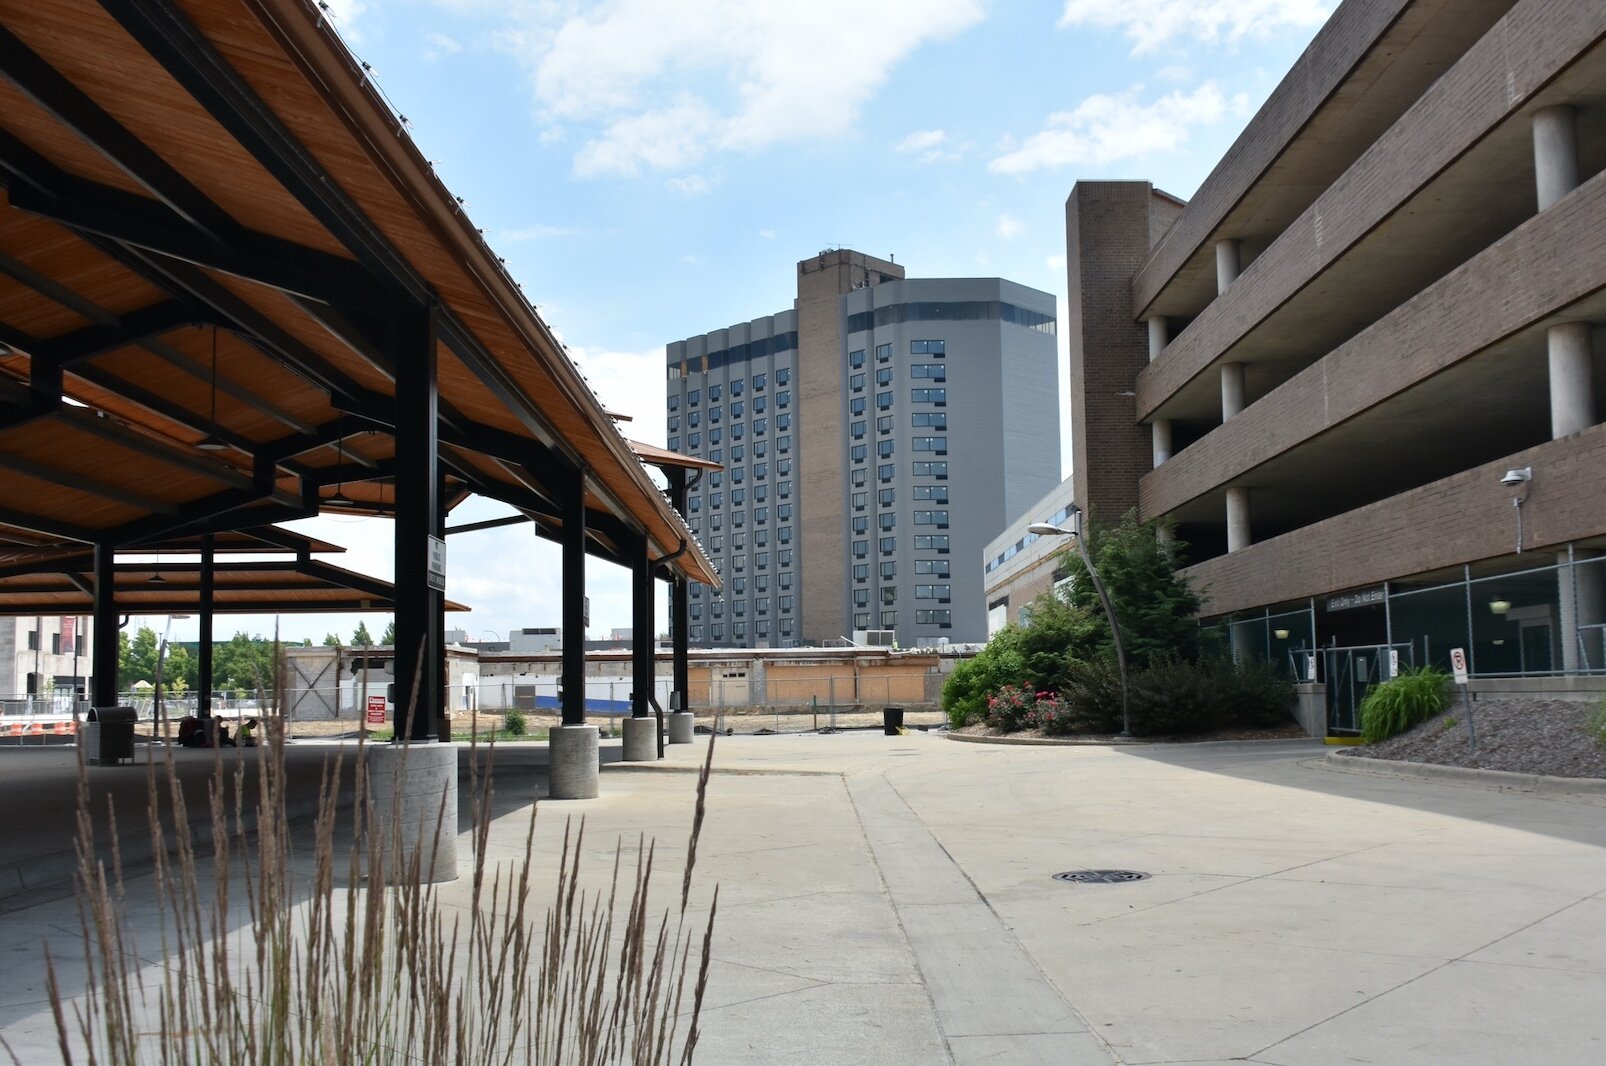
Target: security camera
(1518,475)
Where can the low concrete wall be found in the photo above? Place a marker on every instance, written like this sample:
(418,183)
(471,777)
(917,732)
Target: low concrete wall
(1310,708)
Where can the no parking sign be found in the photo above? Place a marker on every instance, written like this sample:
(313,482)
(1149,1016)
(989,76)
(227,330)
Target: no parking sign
(376,710)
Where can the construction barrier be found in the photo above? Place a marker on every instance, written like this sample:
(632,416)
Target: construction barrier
(64,728)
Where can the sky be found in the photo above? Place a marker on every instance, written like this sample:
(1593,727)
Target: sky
(654,169)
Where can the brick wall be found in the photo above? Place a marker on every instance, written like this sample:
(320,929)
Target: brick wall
(1495,78)
(1553,260)
(1461,518)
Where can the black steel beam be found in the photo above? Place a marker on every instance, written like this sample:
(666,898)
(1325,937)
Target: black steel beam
(198,513)
(114,432)
(489,523)
(203,697)
(54,290)
(104,657)
(642,643)
(136,327)
(76,110)
(419,644)
(79,482)
(679,605)
(51,527)
(571,490)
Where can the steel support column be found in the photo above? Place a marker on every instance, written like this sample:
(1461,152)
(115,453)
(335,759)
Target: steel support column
(679,603)
(104,662)
(418,602)
(642,644)
(571,492)
(203,695)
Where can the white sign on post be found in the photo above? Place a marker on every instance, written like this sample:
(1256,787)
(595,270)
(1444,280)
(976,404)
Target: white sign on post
(1458,665)
(436,577)
(1394,662)
(1310,668)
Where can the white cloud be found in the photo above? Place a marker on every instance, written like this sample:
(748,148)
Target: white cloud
(1009,228)
(767,234)
(690,185)
(628,383)
(1151,23)
(920,141)
(738,75)
(438,44)
(1055,262)
(537,232)
(1105,129)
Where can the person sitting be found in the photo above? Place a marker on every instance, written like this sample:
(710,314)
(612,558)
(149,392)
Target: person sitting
(247,733)
(223,738)
(190,734)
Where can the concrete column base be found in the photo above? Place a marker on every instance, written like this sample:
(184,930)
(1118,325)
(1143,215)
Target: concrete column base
(682,727)
(641,739)
(575,762)
(407,783)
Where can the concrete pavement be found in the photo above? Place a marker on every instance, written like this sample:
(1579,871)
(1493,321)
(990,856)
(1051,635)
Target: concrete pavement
(890,900)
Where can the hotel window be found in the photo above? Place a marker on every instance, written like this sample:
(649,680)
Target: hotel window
(786,603)
(861,523)
(856,358)
(861,597)
(861,549)
(784,444)
(937,542)
(784,534)
(935,493)
(888,546)
(713,393)
(783,398)
(884,424)
(694,419)
(861,571)
(861,620)
(884,376)
(856,406)
(858,452)
(937,618)
(674,444)
(738,629)
(783,512)
(883,401)
(760,425)
(783,375)
(856,382)
(931,444)
(937,348)
(715,435)
(674,403)
(856,430)
(887,519)
(760,492)
(861,500)
(883,352)
(935,396)
(694,441)
(761,561)
(932,518)
(694,397)
(737,407)
(939,593)
(929,371)
(784,491)
(759,405)
(736,389)
(758,386)
(761,515)
(761,605)
(889,619)
(929,419)
(889,595)
(674,424)
(783,467)
(887,497)
(934,567)
(884,472)
(930,468)
(858,477)
(760,472)
(783,422)
(715,413)
(885,448)
(784,558)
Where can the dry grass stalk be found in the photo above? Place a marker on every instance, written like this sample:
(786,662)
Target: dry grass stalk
(320,965)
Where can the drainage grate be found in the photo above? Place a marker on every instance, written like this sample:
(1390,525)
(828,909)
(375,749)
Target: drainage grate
(1101,877)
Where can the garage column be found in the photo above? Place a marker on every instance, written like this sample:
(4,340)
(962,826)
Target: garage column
(1232,390)
(1161,428)
(681,721)
(204,683)
(1228,259)
(1572,386)
(1237,518)
(1555,153)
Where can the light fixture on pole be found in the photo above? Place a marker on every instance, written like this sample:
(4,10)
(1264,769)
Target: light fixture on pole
(212,442)
(1045,529)
(340,499)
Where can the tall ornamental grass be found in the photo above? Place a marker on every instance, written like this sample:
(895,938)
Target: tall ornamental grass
(1404,702)
(319,965)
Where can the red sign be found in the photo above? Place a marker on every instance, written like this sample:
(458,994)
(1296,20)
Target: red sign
(69,634)
(376,710)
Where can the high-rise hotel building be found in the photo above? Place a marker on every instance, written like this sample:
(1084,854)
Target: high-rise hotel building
(873,438)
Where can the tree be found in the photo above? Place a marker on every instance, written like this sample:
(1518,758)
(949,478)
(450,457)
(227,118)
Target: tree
(140,664)
(244,663)
(1000,663)
(331,640)
(1058,635)
(360,637)
(389,639)
(1155,605)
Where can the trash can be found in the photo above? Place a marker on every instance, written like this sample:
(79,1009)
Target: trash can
(892,721)
(108,735)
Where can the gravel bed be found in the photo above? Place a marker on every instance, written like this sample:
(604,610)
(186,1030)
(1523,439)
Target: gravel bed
(1525,736)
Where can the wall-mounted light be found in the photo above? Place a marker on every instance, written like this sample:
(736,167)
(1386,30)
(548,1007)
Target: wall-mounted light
(1280,634)
(1499,606)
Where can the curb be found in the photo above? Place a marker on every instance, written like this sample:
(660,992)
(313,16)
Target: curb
(1114,742)
(1466,775)
(717,771)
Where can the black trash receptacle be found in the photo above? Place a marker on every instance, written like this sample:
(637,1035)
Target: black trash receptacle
(892,721)
(108,735)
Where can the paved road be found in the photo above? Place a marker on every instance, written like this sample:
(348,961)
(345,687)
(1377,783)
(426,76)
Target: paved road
(889,900)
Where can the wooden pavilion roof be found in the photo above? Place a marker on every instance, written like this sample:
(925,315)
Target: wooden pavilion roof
(209,211)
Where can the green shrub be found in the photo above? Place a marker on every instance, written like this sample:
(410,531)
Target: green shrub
(1403,702)
(1174,697)
(1009,707)
(1053,715)
(1094,697)
(1252,694)
(514,723)
(965,693)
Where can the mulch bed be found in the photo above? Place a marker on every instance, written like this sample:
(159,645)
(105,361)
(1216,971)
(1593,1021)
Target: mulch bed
(1525,736)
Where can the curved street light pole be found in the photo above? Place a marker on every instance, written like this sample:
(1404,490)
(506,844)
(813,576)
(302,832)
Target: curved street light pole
(1045,529)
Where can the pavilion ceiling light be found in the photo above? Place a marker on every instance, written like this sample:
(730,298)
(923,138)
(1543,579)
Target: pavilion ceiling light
(212,442)
(340,499)
(1499,606)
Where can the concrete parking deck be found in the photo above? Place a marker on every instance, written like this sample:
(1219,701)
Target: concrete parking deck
(890,900)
